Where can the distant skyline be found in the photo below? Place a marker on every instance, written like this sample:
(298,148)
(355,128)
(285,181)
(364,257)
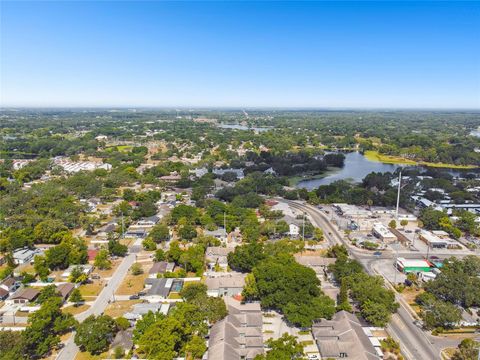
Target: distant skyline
(321,55)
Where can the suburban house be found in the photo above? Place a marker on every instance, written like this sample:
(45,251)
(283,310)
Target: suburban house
(86,269)
(317,263)
(144,308)
(293,226)
(24,255)
(23,296)
(139,233)
(159,289)
(217,255)
(239,335)
(148,222)
(225,286)
(65,290)
(160,267)
(124,340)
(9,284)
(219,233)
(344,337)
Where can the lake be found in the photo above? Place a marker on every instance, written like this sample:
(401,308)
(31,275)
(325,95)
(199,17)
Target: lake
(355,169)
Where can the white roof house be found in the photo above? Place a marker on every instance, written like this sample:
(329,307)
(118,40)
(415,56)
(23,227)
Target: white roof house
(86,269)
(24,255)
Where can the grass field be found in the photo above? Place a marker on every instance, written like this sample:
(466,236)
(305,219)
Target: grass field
(91,289)
(388,159)
(75,309)
(132,284)
(88,356)
(119,308)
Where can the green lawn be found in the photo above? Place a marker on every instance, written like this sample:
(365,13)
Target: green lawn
(388,159)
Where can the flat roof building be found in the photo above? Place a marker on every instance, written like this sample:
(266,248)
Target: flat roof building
(413,265)
(382,232)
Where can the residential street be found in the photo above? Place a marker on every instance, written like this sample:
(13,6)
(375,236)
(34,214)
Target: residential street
(70,350)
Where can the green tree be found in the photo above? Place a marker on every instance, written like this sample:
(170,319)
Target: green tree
(41,267)
(159,233)
(95,334)
(196,347)
(102,261)
(76,297)
(11,345)
(392,224)
(77,275)
(245,257)
(115,248)
(46,293)
(187,232)
(149,245)
(122,323)
(46,324)
(160,255)
(284,348)
(193,290)
(404,223)
(136,269)
(467,350)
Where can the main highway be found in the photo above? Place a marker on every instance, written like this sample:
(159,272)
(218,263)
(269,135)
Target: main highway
(415,343)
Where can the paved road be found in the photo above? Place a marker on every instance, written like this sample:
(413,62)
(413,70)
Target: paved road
(415,343)
(70,350)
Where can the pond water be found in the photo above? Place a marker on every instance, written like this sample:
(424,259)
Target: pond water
(355,169)
(242,127)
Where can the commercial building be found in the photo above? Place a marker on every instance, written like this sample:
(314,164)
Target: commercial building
(438,239)
(382,232)
(413,265)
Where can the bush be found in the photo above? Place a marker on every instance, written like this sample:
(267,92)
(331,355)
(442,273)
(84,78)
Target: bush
(136,269)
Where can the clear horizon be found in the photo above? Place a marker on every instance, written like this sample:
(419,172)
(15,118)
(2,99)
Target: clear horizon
(264,55)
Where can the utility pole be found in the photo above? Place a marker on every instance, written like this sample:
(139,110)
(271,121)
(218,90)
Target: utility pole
(396,269)
(398,193)
(303,227)
(123,227)
(224,226)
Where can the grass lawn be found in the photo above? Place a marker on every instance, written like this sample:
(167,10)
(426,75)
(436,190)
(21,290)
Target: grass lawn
(174,295)
(389,159)
(88,356)
(92,289)
(119,308)
(75,309)
(132,284)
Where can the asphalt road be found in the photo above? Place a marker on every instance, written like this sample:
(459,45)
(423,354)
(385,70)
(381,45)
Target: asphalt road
(415,343)
(70,349)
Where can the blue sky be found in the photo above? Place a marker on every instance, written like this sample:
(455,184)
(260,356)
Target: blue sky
(240,54)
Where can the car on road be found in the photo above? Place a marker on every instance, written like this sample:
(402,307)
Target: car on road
(134,297)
